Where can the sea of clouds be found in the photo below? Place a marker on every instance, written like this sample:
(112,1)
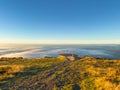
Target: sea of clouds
(107,51)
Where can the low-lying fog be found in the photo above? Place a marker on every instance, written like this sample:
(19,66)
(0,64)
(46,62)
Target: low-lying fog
(107,51)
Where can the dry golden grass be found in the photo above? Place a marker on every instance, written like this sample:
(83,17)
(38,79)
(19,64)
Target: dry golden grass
(102,84)
(8,71)
(86,73)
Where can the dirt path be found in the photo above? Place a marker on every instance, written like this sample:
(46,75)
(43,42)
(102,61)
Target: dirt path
(50,76)
(41,80)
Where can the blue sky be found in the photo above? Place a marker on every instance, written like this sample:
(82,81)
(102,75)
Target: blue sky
(53,21)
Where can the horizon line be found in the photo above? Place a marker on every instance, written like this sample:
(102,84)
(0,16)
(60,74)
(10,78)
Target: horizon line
(60,42)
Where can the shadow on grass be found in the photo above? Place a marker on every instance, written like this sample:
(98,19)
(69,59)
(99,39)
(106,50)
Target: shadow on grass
(76,87)
(27,72)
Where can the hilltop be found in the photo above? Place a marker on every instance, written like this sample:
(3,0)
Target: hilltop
(85,73)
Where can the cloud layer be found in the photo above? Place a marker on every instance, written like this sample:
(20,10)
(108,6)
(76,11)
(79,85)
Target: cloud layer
(111,51)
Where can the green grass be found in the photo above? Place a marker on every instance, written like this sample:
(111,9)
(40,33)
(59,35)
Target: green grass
(58,74)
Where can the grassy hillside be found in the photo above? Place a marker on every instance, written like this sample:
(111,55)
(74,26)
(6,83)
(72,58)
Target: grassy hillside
(86,73)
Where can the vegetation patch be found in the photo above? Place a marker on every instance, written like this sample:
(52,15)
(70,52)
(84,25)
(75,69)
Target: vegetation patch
(86,73)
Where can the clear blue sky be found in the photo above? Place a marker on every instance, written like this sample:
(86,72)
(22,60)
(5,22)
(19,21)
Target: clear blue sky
(81,20)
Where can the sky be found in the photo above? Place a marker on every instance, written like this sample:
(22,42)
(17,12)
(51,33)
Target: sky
(60,21)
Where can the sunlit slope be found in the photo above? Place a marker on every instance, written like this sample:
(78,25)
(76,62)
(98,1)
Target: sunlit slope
(86,73)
